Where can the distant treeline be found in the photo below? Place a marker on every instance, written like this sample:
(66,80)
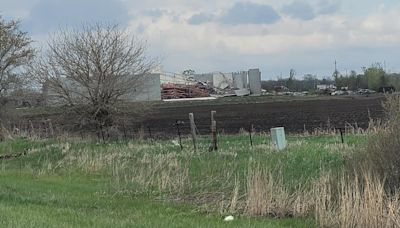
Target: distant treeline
(372,77)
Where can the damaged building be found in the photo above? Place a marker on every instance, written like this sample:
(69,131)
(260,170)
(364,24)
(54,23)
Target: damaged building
(233,84)
(162,86)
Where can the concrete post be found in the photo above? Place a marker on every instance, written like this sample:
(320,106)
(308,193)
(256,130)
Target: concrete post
(278,137)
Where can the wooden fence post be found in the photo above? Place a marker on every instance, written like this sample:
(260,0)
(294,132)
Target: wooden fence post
(193,130)
(32,131)
(51,128)
(177,124)
(214,145)
(250,131)
(150,135)
(341,135)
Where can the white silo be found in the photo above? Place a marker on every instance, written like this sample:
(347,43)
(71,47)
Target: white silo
(255,81)
(238,82)
(244,78)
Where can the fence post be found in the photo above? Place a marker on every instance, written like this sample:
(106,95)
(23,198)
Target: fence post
(51,128)
(150,135)
(193,130)
(179,133)
(250,131)
(341,135)
(32,132)
(124,129)
(213,145)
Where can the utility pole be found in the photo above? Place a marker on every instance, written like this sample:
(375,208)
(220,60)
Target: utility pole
(336,71)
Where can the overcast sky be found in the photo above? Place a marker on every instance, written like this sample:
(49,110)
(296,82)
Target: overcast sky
(230,35)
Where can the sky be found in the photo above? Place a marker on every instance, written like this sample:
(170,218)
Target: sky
(233,35)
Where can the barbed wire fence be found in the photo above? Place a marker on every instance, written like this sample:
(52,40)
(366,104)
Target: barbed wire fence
(183,133)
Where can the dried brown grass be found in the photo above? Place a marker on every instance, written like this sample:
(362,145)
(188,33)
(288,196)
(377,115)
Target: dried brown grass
(268,196)
(357,201)
(163,172)
(381,154)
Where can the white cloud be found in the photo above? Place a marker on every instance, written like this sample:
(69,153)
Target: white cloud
(355,36)
(329,36)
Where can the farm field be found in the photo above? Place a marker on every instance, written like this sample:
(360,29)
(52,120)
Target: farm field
(296,114)
(76,183)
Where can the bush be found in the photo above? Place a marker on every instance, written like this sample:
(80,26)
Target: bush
(381,155)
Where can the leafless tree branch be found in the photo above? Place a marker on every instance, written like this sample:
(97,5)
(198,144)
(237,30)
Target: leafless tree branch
(96,67)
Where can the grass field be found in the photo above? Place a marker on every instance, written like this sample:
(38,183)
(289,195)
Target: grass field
(75,183)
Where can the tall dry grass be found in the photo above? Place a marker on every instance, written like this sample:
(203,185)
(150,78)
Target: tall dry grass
(267,195)
(367,193)
(358,201)
(381,154)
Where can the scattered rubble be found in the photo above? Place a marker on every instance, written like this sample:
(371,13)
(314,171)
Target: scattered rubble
(175,91)
(242,92)
(365,91)
(215,84)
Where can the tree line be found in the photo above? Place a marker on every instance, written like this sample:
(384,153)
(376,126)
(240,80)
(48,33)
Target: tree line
(372,77)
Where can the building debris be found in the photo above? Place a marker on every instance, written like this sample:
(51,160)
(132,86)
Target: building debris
(174,91)
(216,84)
(242,92)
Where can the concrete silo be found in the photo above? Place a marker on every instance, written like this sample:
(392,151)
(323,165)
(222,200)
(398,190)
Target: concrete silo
(255,81)
(238,82)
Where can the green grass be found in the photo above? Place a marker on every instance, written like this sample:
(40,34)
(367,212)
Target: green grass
(79,202)
(20,145)
(87,184)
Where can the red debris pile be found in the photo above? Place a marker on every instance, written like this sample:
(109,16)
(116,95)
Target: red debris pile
(174,91)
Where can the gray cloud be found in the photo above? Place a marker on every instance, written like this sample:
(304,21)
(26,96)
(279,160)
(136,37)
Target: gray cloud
(250,13)
(328,7)
(200,18)
(48,15)
(299,10)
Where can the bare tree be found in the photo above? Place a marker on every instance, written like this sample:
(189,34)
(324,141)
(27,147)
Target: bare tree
(15,53)
(94,69)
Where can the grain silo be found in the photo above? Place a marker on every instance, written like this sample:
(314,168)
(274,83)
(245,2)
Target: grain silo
(255,81)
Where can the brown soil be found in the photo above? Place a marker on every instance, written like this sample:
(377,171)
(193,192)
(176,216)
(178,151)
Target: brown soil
(294,115)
